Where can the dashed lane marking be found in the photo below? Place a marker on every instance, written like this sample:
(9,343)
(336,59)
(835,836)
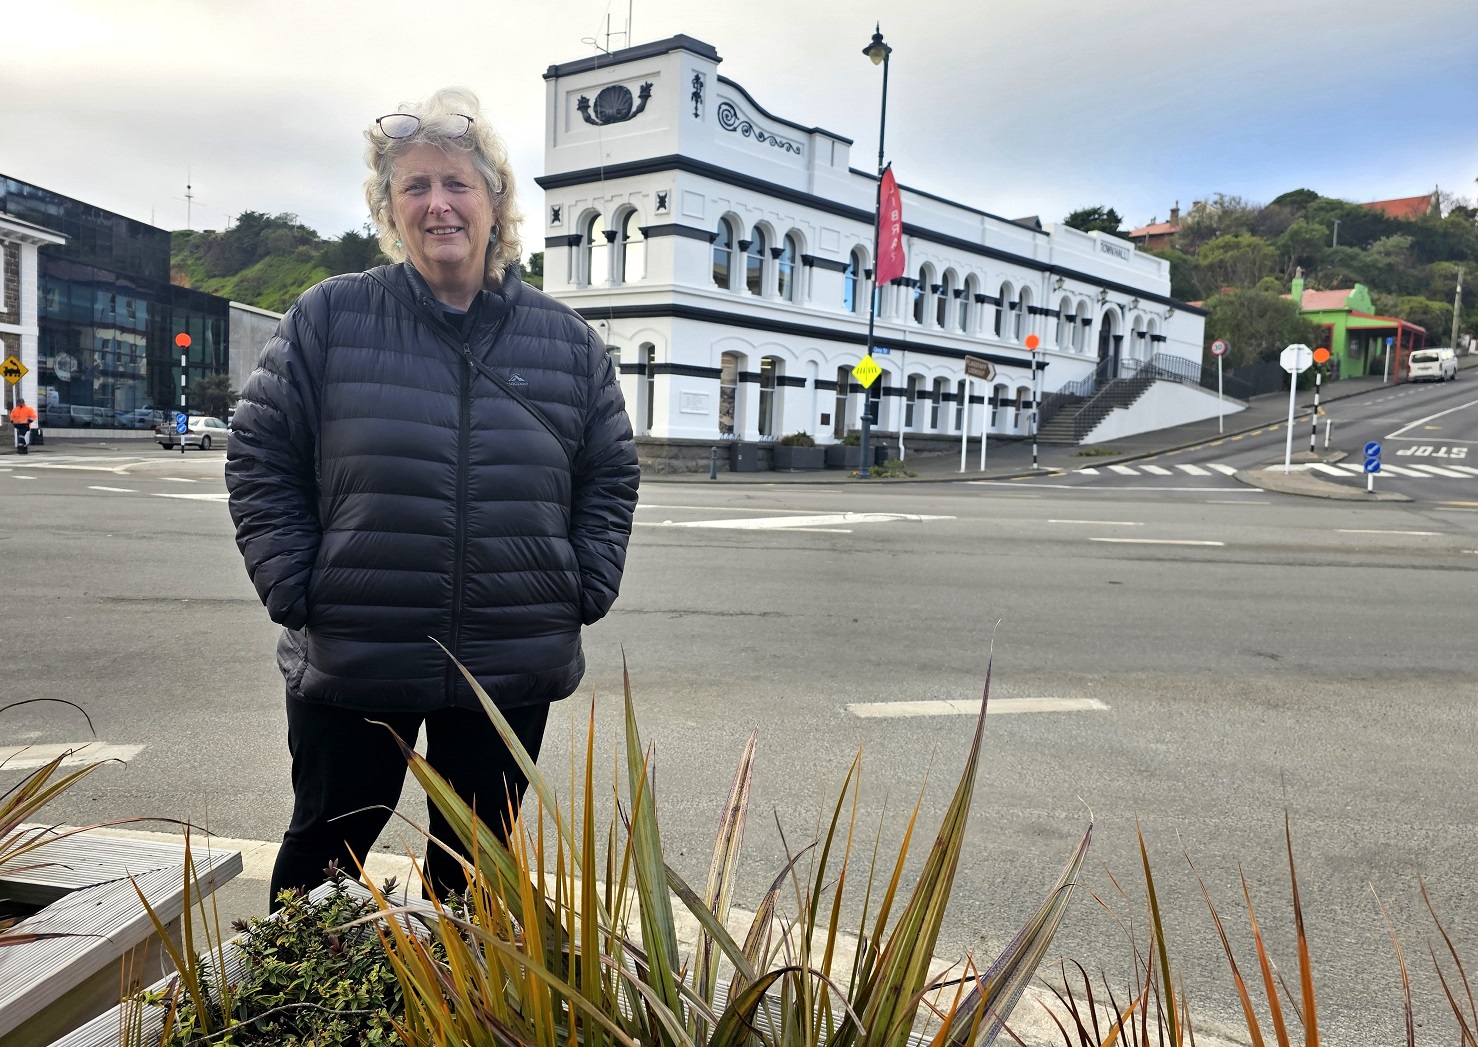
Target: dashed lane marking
(1359,530)
(219,497)
(796,522)
(1195,470)
(116,490)
(1157,470)
(1101,523)
(29,757)
(961,707)
(1123,470)
(178,479)
(1225,470)
(1156,541)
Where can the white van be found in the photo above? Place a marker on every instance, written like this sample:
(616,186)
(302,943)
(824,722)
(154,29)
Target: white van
(1432,365)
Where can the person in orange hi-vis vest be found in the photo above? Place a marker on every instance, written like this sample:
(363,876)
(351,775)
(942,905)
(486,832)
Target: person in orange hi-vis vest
(22,416)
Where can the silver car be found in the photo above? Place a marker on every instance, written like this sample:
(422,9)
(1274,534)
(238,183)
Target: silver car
(204,431)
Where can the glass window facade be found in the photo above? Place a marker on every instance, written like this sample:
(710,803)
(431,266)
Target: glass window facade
(109,315)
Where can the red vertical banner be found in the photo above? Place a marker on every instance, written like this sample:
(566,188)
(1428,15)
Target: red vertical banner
(891,264)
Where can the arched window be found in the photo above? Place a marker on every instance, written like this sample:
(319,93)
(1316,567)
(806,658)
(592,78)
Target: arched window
(648,356)
(723,256)
(633,249)
(728,393)
(852,283)
(1080,326)
(770,368)
(946,292)
(910,395)
(1022,326)
(998,396)
(785,270)
(966,313)
(935,398)
(754,262)
(1002,308)
(921,295)
(961,388)
(1064,322)
(597,251)
(843,402)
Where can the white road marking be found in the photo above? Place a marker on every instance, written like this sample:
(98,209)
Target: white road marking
(1087,470)
(1356,530)
(1401,470)
(1104,487)
(1195,470)
(1105,523)
(1331,470)
(1234,501)
(1225,470)
(1156,541)
(1436,470)
(221,497)
(1157,470)
(1421,421)
(793,522)
(177,479)
(118,490)
(971,707)
(1124,470)
(29,757)
(19,476)
(726,508)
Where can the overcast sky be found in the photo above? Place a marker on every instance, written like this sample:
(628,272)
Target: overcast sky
(1021,108)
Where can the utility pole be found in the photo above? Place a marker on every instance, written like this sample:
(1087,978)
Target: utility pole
(1457,308)
(189,199)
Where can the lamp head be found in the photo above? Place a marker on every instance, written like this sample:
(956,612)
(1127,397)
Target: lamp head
(877,50)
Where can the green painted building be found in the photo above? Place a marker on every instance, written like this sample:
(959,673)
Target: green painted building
(1358,337)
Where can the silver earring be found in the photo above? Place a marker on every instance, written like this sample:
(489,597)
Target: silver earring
(493,235)
(397,243)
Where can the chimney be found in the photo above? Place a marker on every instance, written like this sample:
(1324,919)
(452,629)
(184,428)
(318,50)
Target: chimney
(1175,213)
(1298,289)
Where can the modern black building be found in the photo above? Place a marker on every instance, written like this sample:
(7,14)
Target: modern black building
(108,316)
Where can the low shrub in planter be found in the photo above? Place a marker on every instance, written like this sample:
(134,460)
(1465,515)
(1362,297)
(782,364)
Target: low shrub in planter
(801,439)
(309,975)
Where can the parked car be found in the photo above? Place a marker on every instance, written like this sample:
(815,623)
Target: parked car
(204,431)
(1432,365)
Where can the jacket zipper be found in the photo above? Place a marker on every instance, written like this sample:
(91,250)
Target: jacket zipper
(459,579)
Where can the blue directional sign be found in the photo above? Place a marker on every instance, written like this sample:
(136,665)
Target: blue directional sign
(1372,464)
(181,424)
(1372,450)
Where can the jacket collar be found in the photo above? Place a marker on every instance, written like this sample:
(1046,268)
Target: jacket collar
(494,303)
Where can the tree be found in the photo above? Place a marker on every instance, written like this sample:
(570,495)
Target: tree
(1223,216)
(354,252)
(533,272)
(1238,261)
(212,395)
(1182,273)
(1258,324)
(1296,200)
(1302,244)
(1098,219)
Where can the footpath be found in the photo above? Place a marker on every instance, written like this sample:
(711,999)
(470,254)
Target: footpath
(1009,458)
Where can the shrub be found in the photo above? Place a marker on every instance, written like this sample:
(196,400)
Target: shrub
(801,439)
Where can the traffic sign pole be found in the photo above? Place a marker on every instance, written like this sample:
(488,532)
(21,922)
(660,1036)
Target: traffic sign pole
(1296,359)
(1219,349)
(965,425)
(1032,342)
(1372,465)
(182,427)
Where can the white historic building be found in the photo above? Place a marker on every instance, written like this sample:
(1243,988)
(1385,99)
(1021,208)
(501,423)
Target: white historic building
(19,283)
(724,254)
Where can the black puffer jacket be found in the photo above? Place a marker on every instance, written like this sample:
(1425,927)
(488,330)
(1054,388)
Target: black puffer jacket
(387,491)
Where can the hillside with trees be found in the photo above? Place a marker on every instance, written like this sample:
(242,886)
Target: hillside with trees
(268,260)
(1238,258)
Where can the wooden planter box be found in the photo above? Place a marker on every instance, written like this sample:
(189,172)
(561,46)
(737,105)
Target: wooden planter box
(790,459)
(82,885)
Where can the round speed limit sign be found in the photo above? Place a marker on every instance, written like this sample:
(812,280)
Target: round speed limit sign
(1219,347)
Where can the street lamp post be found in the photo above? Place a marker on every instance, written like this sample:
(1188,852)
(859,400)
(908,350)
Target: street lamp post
(878,52)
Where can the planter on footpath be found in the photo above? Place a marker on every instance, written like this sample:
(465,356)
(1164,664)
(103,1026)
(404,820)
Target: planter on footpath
(83,887)
(844,456)
(795,459)
(744,458)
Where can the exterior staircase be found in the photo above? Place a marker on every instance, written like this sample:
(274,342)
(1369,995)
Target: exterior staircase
(1074,422)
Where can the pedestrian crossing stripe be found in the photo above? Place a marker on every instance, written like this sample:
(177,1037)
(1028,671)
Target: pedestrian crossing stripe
(1408,470)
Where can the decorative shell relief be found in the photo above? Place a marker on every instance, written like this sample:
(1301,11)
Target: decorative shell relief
(730,120)
(614,105)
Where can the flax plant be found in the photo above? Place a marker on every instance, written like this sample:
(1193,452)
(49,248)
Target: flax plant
(555,944)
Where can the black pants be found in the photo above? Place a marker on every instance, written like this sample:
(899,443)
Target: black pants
(342,763)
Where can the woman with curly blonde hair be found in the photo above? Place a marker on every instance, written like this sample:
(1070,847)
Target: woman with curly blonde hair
(429,455)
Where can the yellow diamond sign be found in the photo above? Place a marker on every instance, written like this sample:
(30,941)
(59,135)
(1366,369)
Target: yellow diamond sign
(867,371)
(13,370)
